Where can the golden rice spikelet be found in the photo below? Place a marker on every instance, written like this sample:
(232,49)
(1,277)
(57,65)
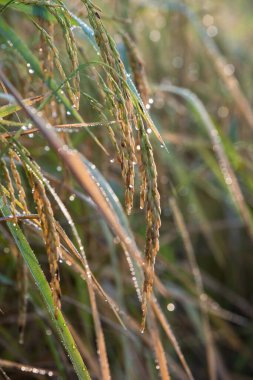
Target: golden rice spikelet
(51,237)
(151,198)
(16,176)
(149,194)
(121,103)
(65,23)
(138,68)
(10,188)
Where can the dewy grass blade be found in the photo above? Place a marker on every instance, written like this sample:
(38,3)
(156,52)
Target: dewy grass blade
(41,282)
(81,172)
(223,161)
(9,34)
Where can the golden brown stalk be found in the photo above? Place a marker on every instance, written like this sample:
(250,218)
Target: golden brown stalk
(158,348)
(226,73)
(164,323)
(210,348)
(51,237)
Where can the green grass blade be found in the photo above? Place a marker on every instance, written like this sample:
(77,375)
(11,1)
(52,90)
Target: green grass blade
(41,282)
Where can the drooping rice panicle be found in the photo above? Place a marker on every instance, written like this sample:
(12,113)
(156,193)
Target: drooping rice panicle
(70,43)
(48,44)
(50,235)
(150,197)
(149,194)
(138,68)
(123,107)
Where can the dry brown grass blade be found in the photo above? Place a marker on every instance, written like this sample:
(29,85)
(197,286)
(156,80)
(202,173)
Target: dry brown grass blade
(158,348)
(210,348)
(7,109)
(5,376)
(79,268)
(164,323)
(26,368)
(61,128)
(230,80)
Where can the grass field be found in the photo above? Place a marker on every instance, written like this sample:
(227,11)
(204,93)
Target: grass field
(126,206)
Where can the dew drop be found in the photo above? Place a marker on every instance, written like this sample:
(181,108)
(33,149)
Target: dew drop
(72,197)
(170,307)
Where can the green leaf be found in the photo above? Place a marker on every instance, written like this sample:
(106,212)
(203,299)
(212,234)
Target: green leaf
(44,288)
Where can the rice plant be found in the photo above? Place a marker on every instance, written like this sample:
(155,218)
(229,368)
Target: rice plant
(126,223)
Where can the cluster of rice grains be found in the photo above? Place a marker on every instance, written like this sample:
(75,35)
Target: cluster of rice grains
(13,181)
(119,99)
(17,200)
(50,235)
(63,18)
(131,116)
